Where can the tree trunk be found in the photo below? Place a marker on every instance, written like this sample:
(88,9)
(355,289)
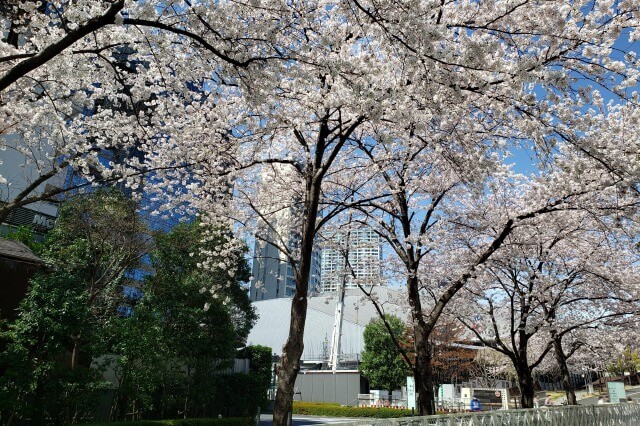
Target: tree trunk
(186,395)
(525,383)
(424,383)
(564,371)
(73,365)
(122,399)
(290,361)
(314,173)
(422,368)
(74,355)
(38,416)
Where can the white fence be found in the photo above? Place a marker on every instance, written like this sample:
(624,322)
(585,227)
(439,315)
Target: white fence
(379,398)
(593,415)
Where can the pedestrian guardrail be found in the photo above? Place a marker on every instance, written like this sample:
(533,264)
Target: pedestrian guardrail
(577,415)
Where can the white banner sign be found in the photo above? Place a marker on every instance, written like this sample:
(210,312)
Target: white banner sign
(411,393)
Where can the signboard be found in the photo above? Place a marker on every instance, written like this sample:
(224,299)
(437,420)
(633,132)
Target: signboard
(22,216)
(616,392)
(446,393)
(411,393)
(489,398)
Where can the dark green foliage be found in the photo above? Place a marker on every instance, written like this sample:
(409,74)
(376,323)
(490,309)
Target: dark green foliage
(235,394)
(176,258)
(382,363)
(167,350)
(336,410)
(183,336)
(260,367)
(46,369)
(39,381)
(138,357)
(26,236)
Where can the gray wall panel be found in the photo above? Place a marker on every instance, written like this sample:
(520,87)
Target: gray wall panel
(329,388)
(342,388)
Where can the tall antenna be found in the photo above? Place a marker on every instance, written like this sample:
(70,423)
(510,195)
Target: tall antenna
(337,322)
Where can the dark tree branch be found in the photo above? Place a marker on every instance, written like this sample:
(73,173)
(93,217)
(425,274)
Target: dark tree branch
(54,49)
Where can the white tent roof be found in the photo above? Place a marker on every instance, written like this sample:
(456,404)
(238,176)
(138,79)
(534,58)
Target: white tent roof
(272,327)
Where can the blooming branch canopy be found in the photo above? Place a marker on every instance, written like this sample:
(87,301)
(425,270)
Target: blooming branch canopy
(259,115)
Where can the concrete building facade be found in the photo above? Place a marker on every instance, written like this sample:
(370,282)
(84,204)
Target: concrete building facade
(272,274)
(363,249)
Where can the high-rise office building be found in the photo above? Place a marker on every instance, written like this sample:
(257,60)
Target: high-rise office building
(272,274)
(363,249)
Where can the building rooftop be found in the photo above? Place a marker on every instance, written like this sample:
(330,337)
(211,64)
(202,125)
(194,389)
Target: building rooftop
(272,327)
(18,251)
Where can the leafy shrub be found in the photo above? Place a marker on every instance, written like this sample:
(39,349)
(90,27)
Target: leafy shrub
(235,394)
(336,410)
(260,369)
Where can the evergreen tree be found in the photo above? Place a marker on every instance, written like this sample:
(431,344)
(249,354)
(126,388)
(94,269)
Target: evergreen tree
(382,363)
(170,364)
(47,369)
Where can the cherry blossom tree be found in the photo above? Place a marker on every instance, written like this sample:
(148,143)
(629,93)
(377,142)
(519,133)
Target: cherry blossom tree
(443,228)
(555,278)
(490,366)
(486,111)
(602,347)
(265,116)
(79,80)
(284,155)
(364,84)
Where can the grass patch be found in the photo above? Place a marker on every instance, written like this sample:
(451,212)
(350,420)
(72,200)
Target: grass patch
(336,410)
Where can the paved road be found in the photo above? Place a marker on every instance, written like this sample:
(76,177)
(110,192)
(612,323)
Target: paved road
(633,392)
(298,420)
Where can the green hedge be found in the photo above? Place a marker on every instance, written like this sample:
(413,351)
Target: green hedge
(229,421)
(336,410)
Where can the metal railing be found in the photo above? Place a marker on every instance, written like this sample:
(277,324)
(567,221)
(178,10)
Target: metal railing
(586,415)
